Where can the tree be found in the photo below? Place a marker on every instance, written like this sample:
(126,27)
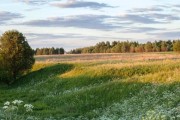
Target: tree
(156,47)
(148,47)
(176,46)
(16,55)
(114,43)
(163,46)
(61,51)
(132,48)
(116,48)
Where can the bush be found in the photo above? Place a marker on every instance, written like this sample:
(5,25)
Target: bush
(16,56)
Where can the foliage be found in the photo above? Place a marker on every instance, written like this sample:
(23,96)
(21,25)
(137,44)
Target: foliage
(124,90)
(49,51)
(10,110)
(16,55)
(126,46)
(176,46)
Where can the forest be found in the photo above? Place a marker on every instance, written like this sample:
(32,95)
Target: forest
(130,47)
(49,51)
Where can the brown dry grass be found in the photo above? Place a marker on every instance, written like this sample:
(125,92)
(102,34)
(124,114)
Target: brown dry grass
(109,56)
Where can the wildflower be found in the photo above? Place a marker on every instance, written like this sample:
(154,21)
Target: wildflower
(17,102)
(7,103)
(5,107)
(14,108)
(28,107)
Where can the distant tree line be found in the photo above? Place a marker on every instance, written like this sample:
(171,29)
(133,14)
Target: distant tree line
(130,47)
(49,51)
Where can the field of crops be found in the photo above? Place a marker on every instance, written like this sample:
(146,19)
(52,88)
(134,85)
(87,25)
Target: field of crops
(100,87)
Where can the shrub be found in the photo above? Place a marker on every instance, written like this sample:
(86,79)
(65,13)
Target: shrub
(16,56)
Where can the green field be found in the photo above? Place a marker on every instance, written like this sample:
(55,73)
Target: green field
(109,87)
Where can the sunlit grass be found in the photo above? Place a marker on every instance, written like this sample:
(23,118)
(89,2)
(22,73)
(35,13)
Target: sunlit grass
(130,90)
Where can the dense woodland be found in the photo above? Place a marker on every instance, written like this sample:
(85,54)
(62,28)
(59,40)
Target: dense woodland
(49,51)
(117,47)
(127,46)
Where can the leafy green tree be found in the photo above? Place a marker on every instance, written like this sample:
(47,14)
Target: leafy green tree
(114,43)
(39,51)
(132,48)
(169,45)
(16,55)
(61,51)
(156,47)
(176,46)
(117,48)
(125,47)
(45,51)
(108,44)
(139,48)
(163,46)
(148,47)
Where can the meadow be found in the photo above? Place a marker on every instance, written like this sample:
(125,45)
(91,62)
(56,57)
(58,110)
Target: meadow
(139,86)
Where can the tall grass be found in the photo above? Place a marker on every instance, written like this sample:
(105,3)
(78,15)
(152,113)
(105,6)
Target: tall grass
(128,90)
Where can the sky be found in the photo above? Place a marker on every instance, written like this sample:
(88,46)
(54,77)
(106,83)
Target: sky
(79,23)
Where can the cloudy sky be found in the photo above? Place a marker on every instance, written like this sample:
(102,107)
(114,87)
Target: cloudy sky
(78,23)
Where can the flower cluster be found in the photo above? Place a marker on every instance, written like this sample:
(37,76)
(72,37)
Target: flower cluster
(11,110)
(17,102)
(12,106)
(29,107)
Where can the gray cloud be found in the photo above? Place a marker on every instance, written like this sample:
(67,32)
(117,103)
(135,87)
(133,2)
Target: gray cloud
(68,4)
(164,17)
(78,21)
(138,18)
(152,9)
(149,18)
(80,4)
(141,29)
(45,37)
(48,40)
(33,2)
(104,22)
(66,40)
(157,13)
(7,16)
(178,6)
(40,36)
(167,35)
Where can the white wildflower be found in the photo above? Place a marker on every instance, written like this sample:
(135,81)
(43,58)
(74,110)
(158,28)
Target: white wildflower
(7,103)
(17,102)
(14,108)
(5,107)
(28,107)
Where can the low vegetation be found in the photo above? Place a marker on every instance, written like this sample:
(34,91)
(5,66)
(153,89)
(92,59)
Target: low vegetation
(82,87)
(103,90)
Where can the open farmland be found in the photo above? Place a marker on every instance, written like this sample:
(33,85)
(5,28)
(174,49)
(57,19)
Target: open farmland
(107,56)
(143,86)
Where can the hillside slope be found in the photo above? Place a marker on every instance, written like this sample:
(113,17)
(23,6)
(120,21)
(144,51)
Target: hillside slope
(100,90)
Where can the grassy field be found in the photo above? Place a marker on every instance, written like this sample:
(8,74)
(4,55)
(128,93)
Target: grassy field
(101,87)
(107,56)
